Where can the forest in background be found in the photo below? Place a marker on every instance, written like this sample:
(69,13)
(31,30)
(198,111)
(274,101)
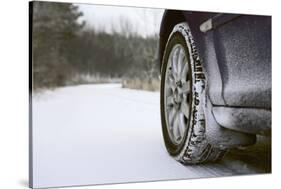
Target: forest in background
(65,52)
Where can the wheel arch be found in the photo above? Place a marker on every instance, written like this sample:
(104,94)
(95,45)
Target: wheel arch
(203,42)
(172,17)
(169,20)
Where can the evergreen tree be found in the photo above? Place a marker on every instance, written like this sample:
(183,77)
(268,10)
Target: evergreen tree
(55,28)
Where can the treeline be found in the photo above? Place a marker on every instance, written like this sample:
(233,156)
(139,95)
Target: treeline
(63,49)
(114,54)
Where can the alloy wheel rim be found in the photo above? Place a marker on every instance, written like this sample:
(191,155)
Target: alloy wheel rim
(177,93)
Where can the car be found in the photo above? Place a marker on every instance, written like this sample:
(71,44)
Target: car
(215,90)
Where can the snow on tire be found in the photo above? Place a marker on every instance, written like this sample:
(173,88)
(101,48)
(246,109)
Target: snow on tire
(183,100)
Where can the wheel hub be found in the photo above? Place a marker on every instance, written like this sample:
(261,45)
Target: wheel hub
(177,96)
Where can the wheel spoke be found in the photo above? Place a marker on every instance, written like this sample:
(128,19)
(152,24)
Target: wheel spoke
(184,71)
(175,61)
(175,127)
(185,108)
(180,61)
(170,81)
(169,101)
(181,124)
(171,116)
(169,91)
(171,76)
(185,87)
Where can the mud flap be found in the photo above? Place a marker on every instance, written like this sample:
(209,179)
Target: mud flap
(221,137)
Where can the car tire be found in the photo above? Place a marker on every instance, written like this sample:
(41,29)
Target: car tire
(183,101)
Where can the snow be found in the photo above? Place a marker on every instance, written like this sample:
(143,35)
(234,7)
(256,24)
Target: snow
(96,134)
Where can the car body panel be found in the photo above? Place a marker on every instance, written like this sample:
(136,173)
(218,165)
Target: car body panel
(243,48)
(236,54)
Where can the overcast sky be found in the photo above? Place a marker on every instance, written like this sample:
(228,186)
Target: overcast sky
(144,21)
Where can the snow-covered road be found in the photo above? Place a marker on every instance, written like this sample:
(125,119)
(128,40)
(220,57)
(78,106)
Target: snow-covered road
(94,134)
